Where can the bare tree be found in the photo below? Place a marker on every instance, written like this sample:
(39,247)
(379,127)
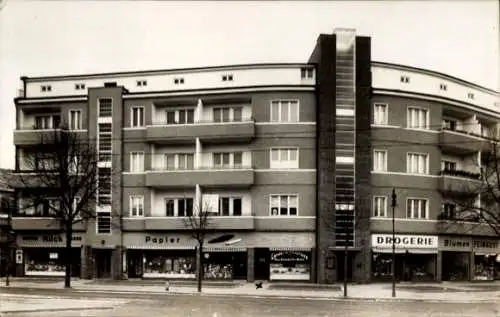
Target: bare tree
(199,224)
(485,185)
(6,256)
(64,167)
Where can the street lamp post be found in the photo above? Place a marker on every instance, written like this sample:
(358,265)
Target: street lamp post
(393,244)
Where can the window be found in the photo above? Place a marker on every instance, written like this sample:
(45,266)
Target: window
(137,114)
(284,205)
(185,161)
(227,160)
(380,160)
(449,210)
(179,81)
(79,86)
(104,141)
(284,111)
(470,95)
(142,83)
(306,73)
(179,207)
(443,87)
(379,206)
(229,206)
(228,114)
(228,77)
(417,163)
(105,107)
(46,88)
(182,116)
(417,118)
(284,158)
(136,206)
(137,162)
(103,222)
(47,122)
(448,165)
(380,115)
(104,186)
(416,208)
(449,124)
(75,119)
(405,79)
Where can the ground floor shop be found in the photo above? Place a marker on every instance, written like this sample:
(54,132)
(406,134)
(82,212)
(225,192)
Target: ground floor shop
(416,257)
(435,258)
(46,255)
(243,256)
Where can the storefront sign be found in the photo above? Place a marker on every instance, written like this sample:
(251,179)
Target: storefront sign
(289,257)
(161,240)
(485,244)
(404,241)
(49,239)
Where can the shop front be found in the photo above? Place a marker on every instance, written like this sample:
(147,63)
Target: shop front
(455,258)
(486,259)
(46,255)
(173,256)
(416,257)
(290,265)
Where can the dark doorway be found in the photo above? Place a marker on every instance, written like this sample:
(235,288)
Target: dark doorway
(102,263)
(134,263)
(262,263)
(341,264)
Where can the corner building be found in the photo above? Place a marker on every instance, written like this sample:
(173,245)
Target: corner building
(286,156)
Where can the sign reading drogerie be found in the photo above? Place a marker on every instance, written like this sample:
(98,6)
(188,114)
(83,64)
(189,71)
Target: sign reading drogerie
(405,241)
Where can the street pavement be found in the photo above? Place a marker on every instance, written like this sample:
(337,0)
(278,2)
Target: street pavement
(39,302)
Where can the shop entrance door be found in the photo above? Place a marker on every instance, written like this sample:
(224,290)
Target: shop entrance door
(262,264)
(102,263)
(341,264)
(134,265)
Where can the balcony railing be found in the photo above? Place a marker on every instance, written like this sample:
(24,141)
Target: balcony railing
(461,173)
(244,119)
(469,133)
(202,168)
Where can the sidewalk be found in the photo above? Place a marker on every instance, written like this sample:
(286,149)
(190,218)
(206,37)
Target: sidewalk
(432,292)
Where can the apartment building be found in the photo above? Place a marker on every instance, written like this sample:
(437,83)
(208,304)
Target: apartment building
(6,206)
(295,161)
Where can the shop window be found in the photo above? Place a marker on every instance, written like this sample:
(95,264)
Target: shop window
(159,265)
(290,265)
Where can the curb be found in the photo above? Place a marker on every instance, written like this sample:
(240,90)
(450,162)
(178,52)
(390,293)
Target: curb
(268,296)
(48,310)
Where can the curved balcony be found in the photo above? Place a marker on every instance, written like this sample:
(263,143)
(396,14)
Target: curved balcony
(459,182)
(463,142)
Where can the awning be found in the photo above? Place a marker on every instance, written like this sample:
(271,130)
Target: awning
(224,249)
(402,251)
(290,249)
(160,247)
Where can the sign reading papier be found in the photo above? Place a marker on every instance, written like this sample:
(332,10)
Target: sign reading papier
(404,241)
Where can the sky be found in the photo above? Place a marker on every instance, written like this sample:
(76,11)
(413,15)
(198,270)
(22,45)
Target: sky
(38,38)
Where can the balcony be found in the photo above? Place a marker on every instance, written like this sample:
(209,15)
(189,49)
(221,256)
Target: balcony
(207,131)
(235,177)
(458,181)
(462,142)
(39,136)
(178,223)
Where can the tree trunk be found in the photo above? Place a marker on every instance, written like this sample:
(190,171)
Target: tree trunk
(345,269)
(67,255)
(200,266)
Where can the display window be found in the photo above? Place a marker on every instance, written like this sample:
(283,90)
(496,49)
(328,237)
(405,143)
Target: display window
(290,265)
(173,265)
(49,262)
(484,267)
